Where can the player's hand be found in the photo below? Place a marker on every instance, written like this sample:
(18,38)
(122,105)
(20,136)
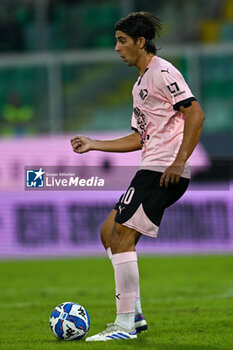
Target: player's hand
(82,144)
(172,174)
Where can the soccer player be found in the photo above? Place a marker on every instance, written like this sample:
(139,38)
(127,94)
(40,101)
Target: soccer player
(167,122)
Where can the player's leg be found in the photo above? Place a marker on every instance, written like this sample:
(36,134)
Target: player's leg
(106,232)
(123,241)
(124,259)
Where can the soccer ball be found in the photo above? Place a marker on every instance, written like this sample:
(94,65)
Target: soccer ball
(69,321)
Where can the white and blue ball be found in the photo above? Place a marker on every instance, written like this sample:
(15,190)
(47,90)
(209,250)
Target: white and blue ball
(69,321)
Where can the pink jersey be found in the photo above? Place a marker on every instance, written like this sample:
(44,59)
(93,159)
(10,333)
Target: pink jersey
(157,96)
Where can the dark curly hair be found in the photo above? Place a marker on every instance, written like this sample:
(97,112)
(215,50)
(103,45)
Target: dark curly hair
(141,24)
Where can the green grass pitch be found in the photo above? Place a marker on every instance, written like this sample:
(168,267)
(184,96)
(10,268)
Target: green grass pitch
(187,301)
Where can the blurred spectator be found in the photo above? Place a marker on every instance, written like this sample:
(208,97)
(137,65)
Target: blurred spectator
(16,116)
(72,24)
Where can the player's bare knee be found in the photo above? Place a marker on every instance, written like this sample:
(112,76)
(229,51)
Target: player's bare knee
(122,239)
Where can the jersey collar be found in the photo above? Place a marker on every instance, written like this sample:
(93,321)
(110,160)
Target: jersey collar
(141,76)
(151,61)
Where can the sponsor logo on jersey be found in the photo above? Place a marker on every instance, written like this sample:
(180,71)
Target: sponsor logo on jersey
(141,123)
(165,71)
(174,89)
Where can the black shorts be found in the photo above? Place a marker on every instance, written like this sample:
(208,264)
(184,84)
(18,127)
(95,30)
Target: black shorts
(142,206)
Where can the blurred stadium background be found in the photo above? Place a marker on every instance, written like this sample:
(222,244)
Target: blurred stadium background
(59,76)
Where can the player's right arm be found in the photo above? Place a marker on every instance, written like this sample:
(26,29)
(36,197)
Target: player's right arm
(129,143)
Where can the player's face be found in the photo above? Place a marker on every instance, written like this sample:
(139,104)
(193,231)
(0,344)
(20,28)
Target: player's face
(128,50)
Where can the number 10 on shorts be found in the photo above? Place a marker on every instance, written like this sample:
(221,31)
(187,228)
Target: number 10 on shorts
(127,197)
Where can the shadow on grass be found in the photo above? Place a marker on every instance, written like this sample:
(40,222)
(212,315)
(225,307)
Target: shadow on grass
(134,345)
(185,347)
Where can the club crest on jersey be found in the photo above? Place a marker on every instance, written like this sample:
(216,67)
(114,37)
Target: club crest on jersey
(143,93)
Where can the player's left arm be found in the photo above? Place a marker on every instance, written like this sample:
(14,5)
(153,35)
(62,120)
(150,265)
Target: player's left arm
(194,118)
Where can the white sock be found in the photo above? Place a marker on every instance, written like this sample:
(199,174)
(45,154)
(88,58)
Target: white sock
(138,307)
(125,321)
(126,281)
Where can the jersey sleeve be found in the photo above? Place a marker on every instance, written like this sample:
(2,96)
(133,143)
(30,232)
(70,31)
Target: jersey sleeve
(172,84)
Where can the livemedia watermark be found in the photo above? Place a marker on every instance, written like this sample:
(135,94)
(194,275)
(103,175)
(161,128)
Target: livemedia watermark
(101,178)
